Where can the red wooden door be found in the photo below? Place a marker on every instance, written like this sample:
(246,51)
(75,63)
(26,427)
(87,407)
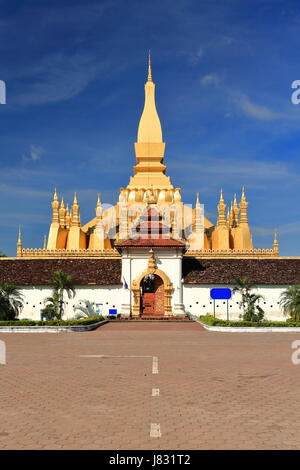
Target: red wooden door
(153,302)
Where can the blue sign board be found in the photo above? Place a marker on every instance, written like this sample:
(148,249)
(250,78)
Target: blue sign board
(218,294)
(112,311)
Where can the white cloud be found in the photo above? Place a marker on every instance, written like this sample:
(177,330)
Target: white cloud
(34,154)
(254,110)
(210,79)
(285,229)
(11,190)
(58,77)
(233,168)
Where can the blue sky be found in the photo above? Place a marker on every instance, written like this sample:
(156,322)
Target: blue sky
(75,74)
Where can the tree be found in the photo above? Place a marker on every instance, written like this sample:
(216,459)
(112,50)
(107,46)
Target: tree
(243,286)
(51,309)
(249,303)
(62,282)
(290,302)
(86,310)
(253,311)
(2,255)
(11,301)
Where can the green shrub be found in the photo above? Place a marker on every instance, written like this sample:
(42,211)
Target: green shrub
(82,321)
(212,321)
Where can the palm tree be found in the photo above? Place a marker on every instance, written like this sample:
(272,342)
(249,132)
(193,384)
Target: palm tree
(62,282)
(253,311)
(86,310)
(249,303)
(11,301)
(243,286)
(290,302)
(51,309)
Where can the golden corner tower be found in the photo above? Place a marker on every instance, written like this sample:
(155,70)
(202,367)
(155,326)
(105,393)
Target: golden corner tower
(149,189)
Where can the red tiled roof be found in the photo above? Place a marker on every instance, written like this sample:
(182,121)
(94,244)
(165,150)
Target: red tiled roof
(260,271)
(151,242)
(39,272)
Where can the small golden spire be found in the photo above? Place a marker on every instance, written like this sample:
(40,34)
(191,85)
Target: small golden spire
(149,67)
(151,262)
(99,207)
(197,199)
(243,208)
(19,235)
(45,242)
(243,194)
(55,197)
(19,243)
(221,210)
(68,217)
(275,243)
(75,220)
(62,204)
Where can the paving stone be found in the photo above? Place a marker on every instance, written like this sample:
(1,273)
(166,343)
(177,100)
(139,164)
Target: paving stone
(217,391)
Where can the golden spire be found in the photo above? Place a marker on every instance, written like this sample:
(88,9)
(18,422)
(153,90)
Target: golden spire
(68,217)
(75,212)
(243,208)
(197,200)
(149,67)
(55,208)
(275,243)
(98,200)
(62,213)
(19,243)
(235,212)
(99,207)
(151,262)
(45,242)
(149,130)
(243,194)
(221,210)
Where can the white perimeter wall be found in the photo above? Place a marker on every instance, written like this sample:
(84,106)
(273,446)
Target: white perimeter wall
(109,296)
(196,298)
(197,301)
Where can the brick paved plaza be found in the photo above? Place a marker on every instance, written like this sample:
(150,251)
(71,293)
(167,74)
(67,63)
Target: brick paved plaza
(216,390)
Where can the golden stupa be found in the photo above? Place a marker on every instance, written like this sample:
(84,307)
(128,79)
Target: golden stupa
(149,186)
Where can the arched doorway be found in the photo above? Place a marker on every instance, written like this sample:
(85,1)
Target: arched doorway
(152,296)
